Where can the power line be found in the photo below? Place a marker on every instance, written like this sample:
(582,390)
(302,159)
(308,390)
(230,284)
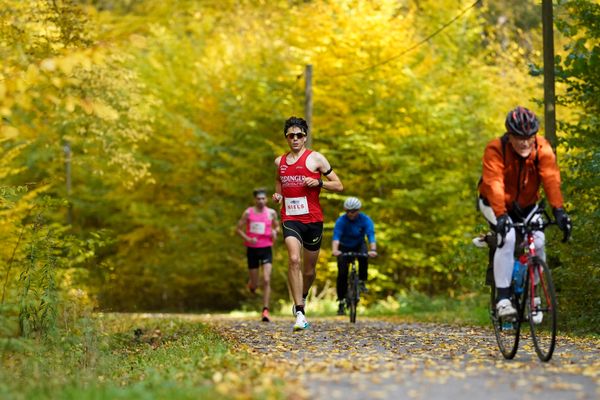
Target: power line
(390,59)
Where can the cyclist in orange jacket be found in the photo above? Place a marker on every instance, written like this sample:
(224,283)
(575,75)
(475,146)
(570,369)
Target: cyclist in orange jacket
(514,167)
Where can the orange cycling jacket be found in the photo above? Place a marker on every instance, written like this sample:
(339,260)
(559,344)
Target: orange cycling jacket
(508,177)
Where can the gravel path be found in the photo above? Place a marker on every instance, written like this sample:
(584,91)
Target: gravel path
(390,359)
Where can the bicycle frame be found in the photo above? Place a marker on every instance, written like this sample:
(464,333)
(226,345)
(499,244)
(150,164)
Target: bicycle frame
(530,254)
(536,303)
(531,271)
(352,295)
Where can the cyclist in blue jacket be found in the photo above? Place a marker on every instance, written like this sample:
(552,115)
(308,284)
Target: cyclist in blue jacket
(349,236)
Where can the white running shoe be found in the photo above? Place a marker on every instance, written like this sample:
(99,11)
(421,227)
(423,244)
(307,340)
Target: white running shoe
(301,322)
(537,315)
(505,308)
(294,306)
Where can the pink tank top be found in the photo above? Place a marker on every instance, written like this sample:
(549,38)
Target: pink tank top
(259,226)
(300,203)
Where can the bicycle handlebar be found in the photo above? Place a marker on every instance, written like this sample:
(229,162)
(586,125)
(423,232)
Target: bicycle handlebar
(353,254)
(538,224)
(532,226)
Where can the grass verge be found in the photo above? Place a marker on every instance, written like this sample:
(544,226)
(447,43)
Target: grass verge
(132,356)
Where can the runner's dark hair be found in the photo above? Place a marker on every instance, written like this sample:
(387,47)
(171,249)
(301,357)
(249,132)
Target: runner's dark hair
(258,191)
(295,121)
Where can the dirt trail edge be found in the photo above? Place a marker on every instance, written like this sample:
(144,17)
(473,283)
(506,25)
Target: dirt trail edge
(387,359)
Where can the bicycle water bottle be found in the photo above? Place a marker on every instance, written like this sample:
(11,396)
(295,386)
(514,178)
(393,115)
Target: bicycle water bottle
(518,276)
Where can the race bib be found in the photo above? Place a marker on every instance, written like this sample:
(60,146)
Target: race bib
(296,206)
(258,227)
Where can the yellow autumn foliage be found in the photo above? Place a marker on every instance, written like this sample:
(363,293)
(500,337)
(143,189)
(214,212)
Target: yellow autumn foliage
(173,112)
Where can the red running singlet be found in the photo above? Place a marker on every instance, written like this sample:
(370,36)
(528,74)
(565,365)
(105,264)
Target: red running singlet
(300,203)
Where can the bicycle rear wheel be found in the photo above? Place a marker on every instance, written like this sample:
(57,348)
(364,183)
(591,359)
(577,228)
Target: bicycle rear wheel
(507,330)
(542,316)
(352,295)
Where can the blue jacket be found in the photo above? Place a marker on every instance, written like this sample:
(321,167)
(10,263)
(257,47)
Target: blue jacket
(352,233)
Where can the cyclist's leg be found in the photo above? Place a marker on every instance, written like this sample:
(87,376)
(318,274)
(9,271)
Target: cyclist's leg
(539,240)
(342,278)
(503,263)
(363,264)
(503,257)
(503,268)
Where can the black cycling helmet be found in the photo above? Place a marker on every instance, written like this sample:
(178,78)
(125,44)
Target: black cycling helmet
(522,122)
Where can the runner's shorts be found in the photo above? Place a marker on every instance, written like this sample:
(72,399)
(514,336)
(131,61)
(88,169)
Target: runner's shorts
(308,234)
(258,256)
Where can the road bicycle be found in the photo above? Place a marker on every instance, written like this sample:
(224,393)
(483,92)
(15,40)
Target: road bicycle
(353,292)
(532,291)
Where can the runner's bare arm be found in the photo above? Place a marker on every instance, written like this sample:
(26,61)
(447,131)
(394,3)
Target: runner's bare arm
(317,162)
(241,226)
(333,183)
(274,223)
(277,197)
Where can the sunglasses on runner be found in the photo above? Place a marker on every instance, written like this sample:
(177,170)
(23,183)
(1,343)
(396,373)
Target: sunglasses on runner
(297,135)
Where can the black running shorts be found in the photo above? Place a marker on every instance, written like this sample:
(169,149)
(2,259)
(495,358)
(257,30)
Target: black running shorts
(258,256)
(308,234)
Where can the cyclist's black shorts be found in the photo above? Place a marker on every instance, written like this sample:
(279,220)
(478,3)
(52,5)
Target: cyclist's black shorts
(308,234)
(258,256)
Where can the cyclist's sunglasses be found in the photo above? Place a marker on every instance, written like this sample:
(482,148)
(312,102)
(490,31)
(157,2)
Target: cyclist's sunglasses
(523,138)
(351,211)
(297,135)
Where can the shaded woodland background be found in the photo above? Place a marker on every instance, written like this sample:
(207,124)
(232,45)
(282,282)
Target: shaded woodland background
(168,114)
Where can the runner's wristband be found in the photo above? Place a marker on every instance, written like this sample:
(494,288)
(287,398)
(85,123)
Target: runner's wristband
(320,182)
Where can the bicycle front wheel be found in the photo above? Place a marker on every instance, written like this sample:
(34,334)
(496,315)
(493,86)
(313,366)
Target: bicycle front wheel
(352,295)
(541,309)
(507,330)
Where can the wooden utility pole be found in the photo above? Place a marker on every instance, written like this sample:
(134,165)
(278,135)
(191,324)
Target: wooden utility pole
(549,96)
(67,149)
(308,103)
